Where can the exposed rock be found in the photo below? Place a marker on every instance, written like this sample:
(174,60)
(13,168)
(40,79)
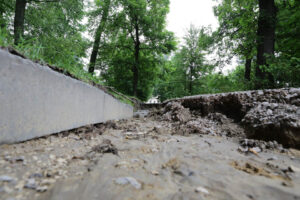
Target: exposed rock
(265,114)
(273,121)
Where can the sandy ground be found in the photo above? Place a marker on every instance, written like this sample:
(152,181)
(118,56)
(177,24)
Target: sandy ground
(148,158)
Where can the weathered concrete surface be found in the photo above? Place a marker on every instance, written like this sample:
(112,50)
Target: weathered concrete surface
(37,101)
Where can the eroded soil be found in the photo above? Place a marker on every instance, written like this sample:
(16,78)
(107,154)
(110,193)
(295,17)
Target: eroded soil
(175,155)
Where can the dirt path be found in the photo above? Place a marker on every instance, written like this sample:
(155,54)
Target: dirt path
(150,158)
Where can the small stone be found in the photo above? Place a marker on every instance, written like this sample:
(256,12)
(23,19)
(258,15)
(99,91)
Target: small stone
(128,180)
(256,149)
(20,159)
(292,158)
(7,190)
(270,145)
(5,178)
(7,158)
(61,161)
(135,160)
(122,164)
(283,150)
(42,188)
(286,184)
(269,112)
(31,184)
(273,158)
(47,181)
(52,157)
(201,190)
(262,146)
(155,173)
(20,185)
(293,169)
(244,150)
(36,175)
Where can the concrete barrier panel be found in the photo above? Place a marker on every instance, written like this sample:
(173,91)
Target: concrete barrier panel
(36,101)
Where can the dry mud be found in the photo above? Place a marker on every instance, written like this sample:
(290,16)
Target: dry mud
(170,154)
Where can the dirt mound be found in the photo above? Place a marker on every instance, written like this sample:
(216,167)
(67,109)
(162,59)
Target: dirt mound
(174,111)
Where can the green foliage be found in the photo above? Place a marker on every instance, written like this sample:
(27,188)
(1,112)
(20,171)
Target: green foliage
(5,38)
(218,83)
(56,26)
(134,43)
(285,71)
(236,35)
(6,12)
(134,26)
(183,74)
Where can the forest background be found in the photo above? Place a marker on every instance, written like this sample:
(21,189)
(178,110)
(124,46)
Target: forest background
(134,52)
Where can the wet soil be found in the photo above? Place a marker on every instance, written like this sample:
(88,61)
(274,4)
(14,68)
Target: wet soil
(162,156)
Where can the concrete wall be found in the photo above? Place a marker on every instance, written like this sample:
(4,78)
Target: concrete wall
(37,101)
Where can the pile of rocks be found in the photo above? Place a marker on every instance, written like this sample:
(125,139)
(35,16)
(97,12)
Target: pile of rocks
(265,114)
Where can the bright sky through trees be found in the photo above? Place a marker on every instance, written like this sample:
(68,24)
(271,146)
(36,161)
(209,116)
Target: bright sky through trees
(186,12)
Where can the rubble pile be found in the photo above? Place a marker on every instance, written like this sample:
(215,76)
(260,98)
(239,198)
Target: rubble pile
(264,114)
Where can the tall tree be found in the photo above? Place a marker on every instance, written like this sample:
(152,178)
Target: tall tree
(184,73)
(237,31)
(145,23)
(137,40)
(104,14)
(265,38)
(196,43)
(19,19)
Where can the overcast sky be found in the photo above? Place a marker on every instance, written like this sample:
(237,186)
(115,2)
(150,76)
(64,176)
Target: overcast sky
(196,12)
(186,12)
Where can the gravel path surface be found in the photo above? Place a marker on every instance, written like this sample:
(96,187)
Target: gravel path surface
(150,158)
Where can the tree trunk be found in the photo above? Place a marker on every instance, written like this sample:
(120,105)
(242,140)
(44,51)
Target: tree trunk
(2,23)
(248,69)
(98,35)
(19,20)
(135,68)
(191,81)
(265,37)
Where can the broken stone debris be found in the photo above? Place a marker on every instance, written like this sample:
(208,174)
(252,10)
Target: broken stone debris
(105,147)
(273,121)
(5,178)
(265,114)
